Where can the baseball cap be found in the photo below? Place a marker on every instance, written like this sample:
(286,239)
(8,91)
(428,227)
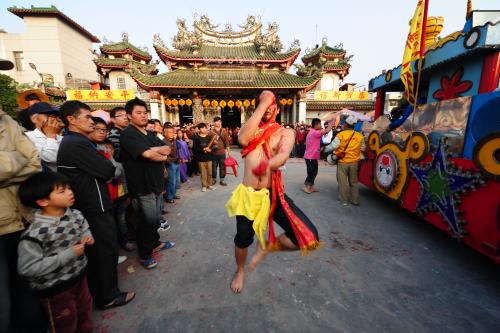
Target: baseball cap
(43,107)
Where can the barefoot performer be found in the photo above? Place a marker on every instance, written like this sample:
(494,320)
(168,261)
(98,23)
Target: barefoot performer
(260,199)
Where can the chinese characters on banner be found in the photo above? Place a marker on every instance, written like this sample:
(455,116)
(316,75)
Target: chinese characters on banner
(100,95)
(413,49)
(329,95)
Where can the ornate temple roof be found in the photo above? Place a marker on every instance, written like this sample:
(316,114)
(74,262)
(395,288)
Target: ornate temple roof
(226,79)
(324,51)
(52,11)
(248,54)
(325,59)
(206,44)
(125,47)
(130,57)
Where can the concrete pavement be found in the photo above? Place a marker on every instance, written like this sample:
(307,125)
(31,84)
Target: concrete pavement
(380,269)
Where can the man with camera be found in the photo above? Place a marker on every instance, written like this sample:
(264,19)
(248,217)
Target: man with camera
(348,145)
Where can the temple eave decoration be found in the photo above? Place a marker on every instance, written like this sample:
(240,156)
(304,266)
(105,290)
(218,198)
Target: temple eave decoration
(224,79)
(206,45)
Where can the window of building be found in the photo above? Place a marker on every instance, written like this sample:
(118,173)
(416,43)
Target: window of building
(19,60)
(120,80)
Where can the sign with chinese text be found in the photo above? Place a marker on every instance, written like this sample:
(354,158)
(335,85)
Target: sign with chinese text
(330,95)
(99,95)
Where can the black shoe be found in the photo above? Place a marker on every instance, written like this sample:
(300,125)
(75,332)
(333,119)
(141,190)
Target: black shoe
(223,183)
(170,200)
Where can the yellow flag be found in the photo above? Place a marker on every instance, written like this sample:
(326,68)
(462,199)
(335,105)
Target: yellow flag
(414,48)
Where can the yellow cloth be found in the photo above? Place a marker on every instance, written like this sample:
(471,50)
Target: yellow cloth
(255,205)
(353,151)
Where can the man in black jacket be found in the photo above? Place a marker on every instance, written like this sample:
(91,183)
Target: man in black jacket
(88,172)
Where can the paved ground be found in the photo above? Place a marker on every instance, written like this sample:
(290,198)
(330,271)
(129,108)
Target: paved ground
(380,270)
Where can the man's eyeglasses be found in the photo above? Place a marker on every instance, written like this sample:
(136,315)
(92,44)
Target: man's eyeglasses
(101,130)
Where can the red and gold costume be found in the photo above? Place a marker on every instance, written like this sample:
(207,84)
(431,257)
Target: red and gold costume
(304,233)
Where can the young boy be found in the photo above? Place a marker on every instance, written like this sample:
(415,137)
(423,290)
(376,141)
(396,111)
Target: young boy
(51,252)
(203,155)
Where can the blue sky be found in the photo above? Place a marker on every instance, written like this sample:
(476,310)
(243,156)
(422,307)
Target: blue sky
(374,31)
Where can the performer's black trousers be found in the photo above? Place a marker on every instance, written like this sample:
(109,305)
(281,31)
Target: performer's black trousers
(245,233)
(102,257)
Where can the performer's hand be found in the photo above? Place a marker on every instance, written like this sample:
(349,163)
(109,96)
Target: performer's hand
(261,169)
(267,98)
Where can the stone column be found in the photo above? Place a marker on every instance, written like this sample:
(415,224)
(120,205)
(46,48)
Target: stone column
(155,109)
(197,110)
(163,116)
(302,111)
(294,109)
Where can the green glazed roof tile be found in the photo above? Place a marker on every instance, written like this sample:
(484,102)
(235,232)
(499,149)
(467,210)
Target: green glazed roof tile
(124,63)
(244,79)
(124,46)
(324,49)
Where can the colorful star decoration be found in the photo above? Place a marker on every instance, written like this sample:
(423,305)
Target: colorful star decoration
(441,184)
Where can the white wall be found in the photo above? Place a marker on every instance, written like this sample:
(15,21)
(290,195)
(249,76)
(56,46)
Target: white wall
(54,47)
(329,81)
(113,80)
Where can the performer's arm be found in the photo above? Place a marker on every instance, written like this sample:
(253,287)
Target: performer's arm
(251,126)
(284,149)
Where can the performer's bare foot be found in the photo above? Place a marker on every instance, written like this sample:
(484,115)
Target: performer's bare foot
(237,283)
(314,189)
(257,258)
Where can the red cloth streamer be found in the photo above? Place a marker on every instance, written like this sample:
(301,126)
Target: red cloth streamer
(305,237)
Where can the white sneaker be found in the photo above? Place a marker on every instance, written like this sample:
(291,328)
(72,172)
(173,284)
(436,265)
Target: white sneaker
(121,259)
(164,226)
(203,189)
(211,188)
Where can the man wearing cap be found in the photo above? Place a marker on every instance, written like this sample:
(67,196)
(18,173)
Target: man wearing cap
(25,100)
(46,136)
(348,145)
(20,310)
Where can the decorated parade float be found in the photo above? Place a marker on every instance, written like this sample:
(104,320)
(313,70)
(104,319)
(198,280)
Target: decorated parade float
(442,161)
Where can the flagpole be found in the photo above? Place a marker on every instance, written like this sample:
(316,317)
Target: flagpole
(419,68)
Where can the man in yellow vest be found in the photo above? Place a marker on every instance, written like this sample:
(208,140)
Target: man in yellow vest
(348,146)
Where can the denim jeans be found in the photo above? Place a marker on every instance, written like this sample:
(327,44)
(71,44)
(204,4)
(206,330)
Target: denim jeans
(173,180)
(218,162)
(147,208)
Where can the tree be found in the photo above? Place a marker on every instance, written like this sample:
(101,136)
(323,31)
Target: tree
(8,94)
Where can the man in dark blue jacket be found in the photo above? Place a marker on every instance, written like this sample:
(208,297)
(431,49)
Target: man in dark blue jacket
(89,172)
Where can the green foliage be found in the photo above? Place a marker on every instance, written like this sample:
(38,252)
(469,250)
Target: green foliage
(8,94)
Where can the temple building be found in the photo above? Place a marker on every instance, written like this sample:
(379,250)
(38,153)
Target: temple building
(113,65)
(220,72)
(330,94)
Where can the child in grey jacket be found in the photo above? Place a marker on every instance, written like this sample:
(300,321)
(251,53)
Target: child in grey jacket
(51,252)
